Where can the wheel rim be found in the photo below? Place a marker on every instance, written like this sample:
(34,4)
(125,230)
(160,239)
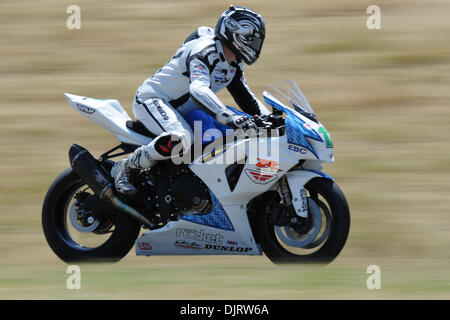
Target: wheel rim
(76,223)
(313,238)
(293,239)
(327,230)
(78,233)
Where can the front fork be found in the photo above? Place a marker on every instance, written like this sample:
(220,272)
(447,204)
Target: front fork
(293,194)
(288,212)
(297,198)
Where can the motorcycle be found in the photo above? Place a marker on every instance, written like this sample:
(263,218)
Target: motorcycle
(277,203)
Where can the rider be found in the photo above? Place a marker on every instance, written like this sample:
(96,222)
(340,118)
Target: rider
(205,63)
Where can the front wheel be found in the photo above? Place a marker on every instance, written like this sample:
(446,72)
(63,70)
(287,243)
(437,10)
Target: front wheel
(79,227)
(319,238)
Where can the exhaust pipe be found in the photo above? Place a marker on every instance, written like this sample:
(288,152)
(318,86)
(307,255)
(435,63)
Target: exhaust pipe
(95,176)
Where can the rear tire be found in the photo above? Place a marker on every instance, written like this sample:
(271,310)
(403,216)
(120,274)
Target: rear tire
(331,247)
(122,238)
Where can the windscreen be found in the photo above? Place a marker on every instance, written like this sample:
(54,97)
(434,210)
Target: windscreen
(289,93)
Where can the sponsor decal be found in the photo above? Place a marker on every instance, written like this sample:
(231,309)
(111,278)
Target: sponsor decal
(187,245)
(199,235)
(99,177)
(85,109)
(233,243)
(267,165)
(198,70)
(304,200)
(162,112)
(231,24)
(144,246)
(297,148)
(260,177)
(227,248)
(197,74)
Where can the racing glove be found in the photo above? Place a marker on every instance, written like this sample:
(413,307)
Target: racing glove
(242,122)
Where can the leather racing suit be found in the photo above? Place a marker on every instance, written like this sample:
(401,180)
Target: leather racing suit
(188,82)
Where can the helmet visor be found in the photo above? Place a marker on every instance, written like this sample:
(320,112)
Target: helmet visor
(255,44)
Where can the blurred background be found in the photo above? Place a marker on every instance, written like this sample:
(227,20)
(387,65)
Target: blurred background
(382,94)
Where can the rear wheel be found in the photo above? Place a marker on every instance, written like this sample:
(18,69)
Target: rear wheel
(317,239)
(79,227)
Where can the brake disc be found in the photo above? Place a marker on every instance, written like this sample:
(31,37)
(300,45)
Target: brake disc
(291,238)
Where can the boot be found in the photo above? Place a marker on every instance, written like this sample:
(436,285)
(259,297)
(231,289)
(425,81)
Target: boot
(143,157)
(121,173)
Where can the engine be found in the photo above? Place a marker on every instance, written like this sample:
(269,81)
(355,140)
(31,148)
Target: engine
(172,192)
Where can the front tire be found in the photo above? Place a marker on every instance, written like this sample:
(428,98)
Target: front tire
(333,207)
(122,230)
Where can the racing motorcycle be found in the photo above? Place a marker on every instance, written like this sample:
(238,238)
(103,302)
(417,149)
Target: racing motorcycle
(277,202)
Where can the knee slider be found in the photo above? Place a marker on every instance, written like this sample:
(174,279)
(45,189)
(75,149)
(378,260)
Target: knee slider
(165,144)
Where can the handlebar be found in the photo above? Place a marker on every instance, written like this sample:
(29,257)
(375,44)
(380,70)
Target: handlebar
(270,121)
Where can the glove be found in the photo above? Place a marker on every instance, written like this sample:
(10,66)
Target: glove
(242,122)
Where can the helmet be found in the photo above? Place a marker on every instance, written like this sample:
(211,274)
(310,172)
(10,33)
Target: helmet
(243,31)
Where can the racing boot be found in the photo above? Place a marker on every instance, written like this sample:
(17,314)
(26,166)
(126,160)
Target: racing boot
(144,157)
(121,173)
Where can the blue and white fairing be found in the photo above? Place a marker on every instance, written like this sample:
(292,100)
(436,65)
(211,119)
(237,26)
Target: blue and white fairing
(226,229)
(305,134)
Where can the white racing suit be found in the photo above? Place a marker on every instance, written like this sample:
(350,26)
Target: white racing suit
(187,82)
